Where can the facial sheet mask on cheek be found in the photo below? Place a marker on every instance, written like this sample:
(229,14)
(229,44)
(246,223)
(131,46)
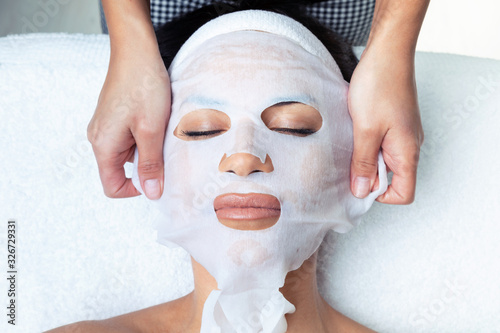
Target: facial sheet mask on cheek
(242,73)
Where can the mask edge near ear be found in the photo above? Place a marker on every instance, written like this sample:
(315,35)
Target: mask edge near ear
(135,174)
(382,177)
(356,207)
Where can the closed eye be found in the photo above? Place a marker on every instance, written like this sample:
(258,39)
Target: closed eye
(201,133)
(202,124)
(295,131)
(292,118)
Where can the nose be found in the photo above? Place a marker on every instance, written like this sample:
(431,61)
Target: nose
(244,164)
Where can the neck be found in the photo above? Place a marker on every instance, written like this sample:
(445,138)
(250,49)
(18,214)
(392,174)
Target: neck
(312,313)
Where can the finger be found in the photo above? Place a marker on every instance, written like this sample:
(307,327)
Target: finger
(149,143)
(364,161)
(112,174)
(401,191)
(130,159)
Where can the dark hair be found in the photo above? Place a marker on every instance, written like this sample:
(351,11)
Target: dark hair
(173,34)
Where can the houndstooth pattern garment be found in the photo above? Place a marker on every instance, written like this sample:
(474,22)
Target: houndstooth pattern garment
(350,18)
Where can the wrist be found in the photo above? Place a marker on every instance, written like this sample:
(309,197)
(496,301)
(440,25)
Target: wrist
(387,53)
(390,42)
(134,40)
(384,60)
(396,26)
(131,32)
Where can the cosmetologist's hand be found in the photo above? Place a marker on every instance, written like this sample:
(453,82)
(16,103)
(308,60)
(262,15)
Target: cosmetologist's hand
(384,108)
(133,109)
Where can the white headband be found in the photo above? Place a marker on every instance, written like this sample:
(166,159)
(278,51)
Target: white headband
(259,20)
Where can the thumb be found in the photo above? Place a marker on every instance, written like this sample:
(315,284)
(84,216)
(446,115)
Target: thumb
(150,164)
(364,162)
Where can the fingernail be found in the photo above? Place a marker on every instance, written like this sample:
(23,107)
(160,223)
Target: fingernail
(152,188)
(361,187)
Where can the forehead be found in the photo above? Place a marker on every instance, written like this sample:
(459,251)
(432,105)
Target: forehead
(240,50)
(250,69)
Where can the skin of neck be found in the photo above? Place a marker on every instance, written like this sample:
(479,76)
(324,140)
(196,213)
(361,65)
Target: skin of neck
(312,313)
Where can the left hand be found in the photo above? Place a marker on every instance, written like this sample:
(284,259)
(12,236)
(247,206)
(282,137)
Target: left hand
(383,105)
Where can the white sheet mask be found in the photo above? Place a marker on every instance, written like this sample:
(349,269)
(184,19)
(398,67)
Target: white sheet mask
(241,74)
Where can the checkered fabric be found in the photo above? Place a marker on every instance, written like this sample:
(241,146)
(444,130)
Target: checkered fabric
(350,18)
(163,11)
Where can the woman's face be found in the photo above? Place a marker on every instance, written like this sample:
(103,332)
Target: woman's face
(259,114)
(250,211)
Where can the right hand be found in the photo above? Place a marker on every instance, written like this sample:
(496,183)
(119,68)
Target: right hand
(133,109)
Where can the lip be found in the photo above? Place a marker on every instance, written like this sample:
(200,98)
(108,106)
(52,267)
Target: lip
(251,211)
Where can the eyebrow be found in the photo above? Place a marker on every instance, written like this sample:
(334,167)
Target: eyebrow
(286,103)
(208,102)
(304,99)
(205,101)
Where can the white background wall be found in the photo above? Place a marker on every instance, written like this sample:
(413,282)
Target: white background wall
(463,27)
(22,16)
(452,26)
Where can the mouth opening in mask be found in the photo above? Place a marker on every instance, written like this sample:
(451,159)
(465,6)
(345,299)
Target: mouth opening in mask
(251,211)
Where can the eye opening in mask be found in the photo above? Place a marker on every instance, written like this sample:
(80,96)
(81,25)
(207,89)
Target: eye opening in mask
(292,118)
(202,124)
